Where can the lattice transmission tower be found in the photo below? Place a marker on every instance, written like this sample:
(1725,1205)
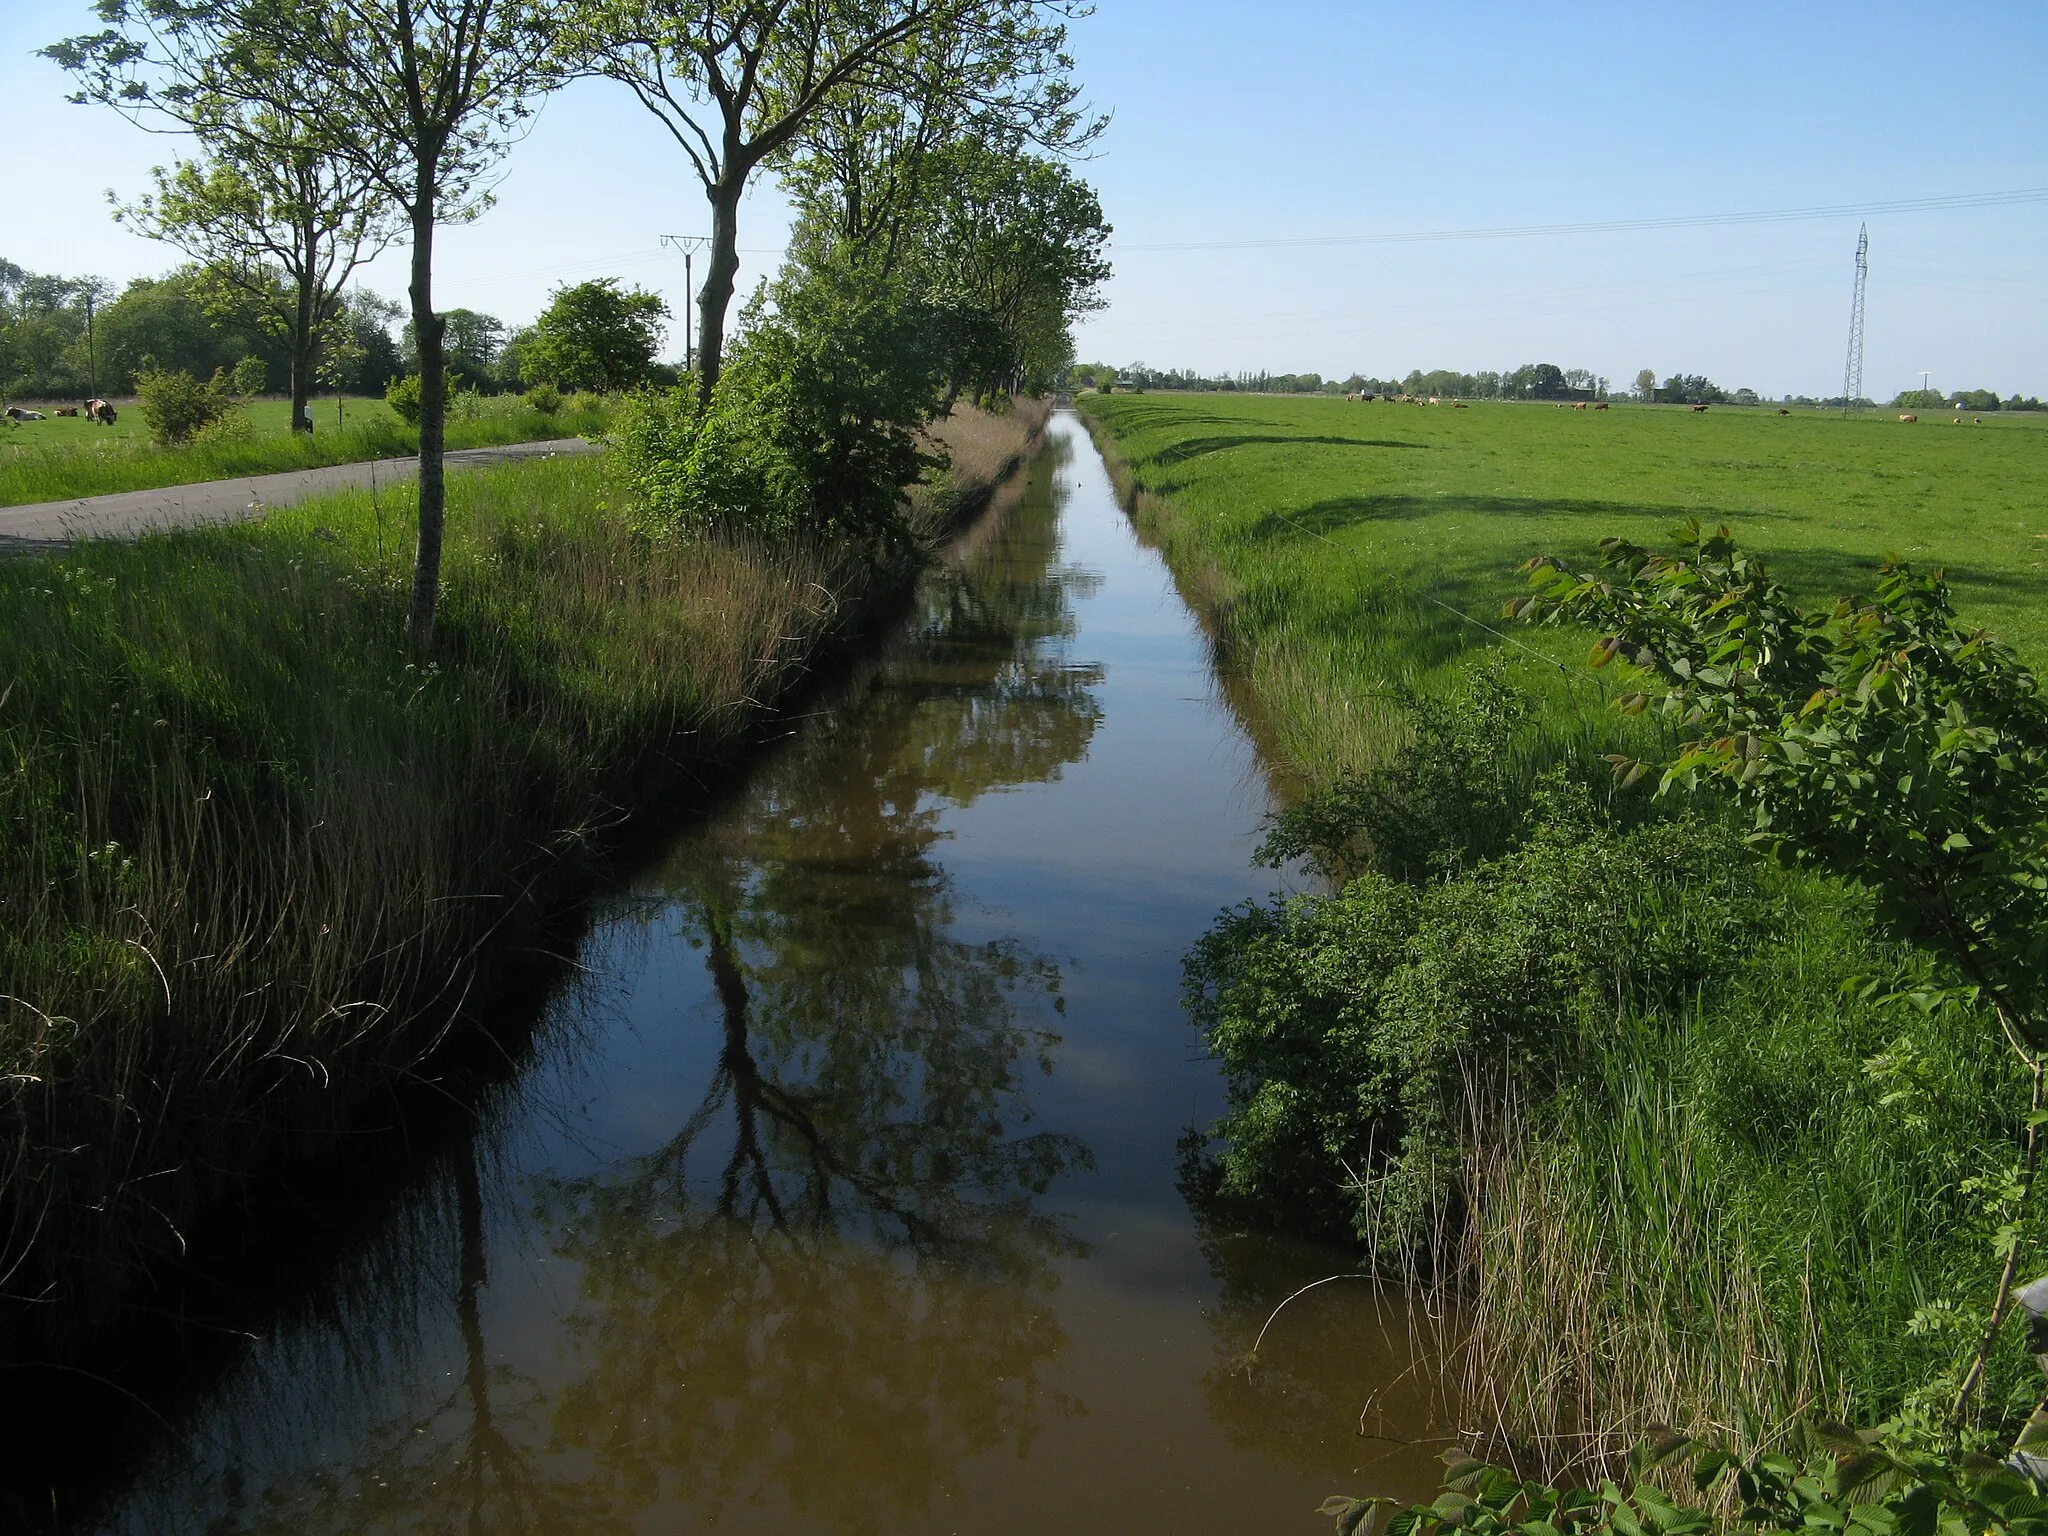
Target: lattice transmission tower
(1852,375)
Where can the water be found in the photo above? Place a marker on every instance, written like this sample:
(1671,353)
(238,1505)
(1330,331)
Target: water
(842,1196)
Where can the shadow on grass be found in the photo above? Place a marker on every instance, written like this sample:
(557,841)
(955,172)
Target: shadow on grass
(1195,447)
(1336,513)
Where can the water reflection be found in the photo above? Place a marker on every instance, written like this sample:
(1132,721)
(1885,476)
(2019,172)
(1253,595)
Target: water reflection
(785,1226)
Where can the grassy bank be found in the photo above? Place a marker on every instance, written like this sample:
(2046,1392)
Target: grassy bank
(1583,1059)
(255,866)
(64,457)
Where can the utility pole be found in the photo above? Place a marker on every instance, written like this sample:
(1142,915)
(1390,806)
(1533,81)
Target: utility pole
(1852,374)
(689,245)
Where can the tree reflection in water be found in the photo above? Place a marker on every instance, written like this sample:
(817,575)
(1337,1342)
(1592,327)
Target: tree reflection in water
(833,1283)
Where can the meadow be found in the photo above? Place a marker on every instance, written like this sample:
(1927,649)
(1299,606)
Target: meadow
(64,457)
(258,865)
(1672,1155)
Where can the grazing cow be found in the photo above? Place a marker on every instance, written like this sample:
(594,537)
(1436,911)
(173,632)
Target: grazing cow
(1908,417)
(1458,405)
(1699,410)
(67,410)
(1582,405)
(1783,412)
(1599,405)
(20,413)
(100,411)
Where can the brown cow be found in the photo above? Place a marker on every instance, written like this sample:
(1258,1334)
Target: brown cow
(100,411)
(1699,410)
(1599,405)
(67,410)
(1458,405)
(1908,417)
(1783,412)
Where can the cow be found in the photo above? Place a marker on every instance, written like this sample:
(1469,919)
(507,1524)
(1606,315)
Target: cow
(1459,405)
(22,413)
(1783,412)
(1699,410)
(67,410)
(1581,405)
(1908,417)
(100,411)
(1599,405)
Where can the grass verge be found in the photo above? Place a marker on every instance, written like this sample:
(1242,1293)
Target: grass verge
(1600,1078)
(256,866)
(63,459)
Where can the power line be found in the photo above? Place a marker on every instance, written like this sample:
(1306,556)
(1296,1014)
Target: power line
(1620,226)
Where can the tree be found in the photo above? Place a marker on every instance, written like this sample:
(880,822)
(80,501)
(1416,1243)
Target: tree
(472,343)
(268,201)
(1646,385)
(735,84)
(176,323)
(595,335)
(420,96)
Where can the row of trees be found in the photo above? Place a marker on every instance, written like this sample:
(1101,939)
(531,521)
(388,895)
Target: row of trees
(329,128)
(1963,400)
(1530,381)
(68,337)
(63,338)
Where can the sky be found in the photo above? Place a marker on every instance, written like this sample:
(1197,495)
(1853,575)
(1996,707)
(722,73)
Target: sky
(1349,124)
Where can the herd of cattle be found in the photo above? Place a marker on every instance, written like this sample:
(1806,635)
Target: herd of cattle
(100,411)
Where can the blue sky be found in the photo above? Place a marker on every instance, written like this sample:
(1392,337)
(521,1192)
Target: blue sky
(1300,120)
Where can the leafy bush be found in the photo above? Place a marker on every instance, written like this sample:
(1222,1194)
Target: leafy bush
(403,396)
(232,428)
(177,406)
(1851,1481)
(1349,1023)
(812,427)
(543,398)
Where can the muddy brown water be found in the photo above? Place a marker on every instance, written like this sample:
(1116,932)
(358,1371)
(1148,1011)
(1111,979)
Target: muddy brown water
(842,1194)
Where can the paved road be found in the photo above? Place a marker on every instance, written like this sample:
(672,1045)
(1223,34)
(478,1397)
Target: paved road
(49,525)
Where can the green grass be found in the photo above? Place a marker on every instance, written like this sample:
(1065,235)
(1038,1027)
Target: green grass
(65,457)
(253,860)
(1723,1213)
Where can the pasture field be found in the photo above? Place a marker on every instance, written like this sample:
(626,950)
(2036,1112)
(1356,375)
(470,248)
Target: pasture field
(1313,513)
(1723,1186)
(64,457)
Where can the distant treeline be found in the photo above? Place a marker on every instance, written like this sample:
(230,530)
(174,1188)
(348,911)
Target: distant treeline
(66,337)
(62,337)
(1964,400)
(1531,381)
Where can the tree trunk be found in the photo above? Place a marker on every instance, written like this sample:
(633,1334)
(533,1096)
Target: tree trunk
(304,325)
(720,279)
(428,329)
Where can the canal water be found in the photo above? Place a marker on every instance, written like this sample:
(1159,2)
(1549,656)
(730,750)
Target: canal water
(842,1194)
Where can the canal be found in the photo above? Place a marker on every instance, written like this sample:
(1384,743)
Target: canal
(842,1195)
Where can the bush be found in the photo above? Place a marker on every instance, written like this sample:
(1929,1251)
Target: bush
(543,398)
(812,427)
(1349,1024)
(403,396)
(231,428)
(177,406)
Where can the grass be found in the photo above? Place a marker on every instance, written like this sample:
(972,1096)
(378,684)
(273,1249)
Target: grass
(1727,1213)
(62,457)
(257,867)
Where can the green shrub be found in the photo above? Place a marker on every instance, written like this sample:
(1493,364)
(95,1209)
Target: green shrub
(1349,1024)
(812,427)
(232,428)
(403,396)
(177,406)
(543,398)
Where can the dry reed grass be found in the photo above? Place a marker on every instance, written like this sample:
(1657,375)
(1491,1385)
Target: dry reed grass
(256,868)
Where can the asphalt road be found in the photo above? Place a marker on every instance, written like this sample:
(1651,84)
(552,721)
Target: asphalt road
(48,525)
